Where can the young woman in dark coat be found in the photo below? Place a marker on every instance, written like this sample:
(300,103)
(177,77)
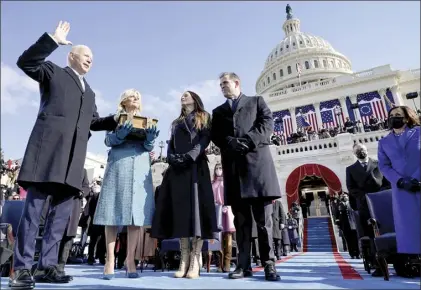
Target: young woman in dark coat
(185,207)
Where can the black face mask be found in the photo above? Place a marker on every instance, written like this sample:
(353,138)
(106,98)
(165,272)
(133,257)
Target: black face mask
(361,154)
(396,122)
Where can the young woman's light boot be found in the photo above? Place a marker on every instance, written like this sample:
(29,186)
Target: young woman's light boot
(195,254)
(184,259)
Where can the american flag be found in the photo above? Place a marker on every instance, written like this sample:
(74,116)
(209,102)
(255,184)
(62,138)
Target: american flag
(371,104)
(283,122)
(327,112)
(298,66)
(306,116)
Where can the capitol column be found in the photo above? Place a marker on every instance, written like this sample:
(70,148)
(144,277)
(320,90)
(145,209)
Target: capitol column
(342,100)
(293,119)
(318,115)
(353,99)
(397,97)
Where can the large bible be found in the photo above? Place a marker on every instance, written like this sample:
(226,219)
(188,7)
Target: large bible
(139,125)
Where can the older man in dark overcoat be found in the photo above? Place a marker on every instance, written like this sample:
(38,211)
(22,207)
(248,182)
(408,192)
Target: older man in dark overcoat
(56,151)
(241,128)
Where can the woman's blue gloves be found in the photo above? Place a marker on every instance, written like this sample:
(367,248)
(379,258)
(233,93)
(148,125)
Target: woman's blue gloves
(151,133)
(124,130)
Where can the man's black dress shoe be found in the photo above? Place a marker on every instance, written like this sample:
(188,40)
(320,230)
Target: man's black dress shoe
(239,273)
(63,274)
(52,275)
(377,273)
(270,273)
(22,279)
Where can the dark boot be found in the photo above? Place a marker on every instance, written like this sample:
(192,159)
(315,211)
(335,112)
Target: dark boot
(285,249)
(220,262)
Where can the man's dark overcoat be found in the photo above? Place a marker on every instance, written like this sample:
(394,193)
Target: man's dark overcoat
(57,146)
(252,175)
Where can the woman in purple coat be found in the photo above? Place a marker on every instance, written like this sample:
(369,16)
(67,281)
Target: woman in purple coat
(399,161)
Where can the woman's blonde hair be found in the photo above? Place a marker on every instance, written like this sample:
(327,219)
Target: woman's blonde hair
(127,94)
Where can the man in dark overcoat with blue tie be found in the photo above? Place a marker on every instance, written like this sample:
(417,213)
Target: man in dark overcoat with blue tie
(241,128)
(362,177)
(56,151)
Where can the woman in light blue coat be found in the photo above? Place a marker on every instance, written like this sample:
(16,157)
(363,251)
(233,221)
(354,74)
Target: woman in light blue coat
(127,197)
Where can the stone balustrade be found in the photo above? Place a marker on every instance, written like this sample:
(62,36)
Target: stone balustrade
(328,146)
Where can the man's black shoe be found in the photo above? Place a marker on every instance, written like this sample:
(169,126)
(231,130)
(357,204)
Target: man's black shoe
(22,279)
(239,273)
(90,261)
(377,273)
(270,273)
(52,276)
(63,274)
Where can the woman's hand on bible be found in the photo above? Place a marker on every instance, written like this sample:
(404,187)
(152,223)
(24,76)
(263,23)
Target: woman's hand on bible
(124,130)
(152,133)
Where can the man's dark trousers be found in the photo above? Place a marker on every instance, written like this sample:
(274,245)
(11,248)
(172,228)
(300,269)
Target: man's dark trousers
(55,224)
(244,211)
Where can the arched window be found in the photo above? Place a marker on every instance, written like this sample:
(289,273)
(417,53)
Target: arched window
(307,65)
(281,72)
(316,63)
(289,70)
(324,63)
(274,76)
(268,80)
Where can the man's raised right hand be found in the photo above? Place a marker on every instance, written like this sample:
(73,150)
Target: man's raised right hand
(61,32)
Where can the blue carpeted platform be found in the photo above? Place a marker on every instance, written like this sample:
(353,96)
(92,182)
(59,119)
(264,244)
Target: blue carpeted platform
(304,271)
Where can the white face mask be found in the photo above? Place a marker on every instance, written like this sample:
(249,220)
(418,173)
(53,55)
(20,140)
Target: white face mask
(218,172)
(96,188)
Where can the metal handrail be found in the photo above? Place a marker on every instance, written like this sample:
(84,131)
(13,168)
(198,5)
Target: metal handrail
(334,227)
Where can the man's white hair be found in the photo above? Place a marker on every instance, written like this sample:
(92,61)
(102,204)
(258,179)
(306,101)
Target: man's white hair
(75,50)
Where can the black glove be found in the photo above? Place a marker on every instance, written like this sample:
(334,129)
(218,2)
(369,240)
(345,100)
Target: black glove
(180,160)
(239,145)
(409,184)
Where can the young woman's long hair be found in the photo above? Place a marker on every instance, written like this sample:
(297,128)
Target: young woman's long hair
(410,115)
(201,117)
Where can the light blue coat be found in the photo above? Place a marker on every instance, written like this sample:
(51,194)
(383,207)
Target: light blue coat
(400,157)
(127,196)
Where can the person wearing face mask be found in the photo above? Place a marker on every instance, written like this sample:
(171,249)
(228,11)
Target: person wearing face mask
(364,177)
(96,233)
(399,161)
(346,221)
(227,220)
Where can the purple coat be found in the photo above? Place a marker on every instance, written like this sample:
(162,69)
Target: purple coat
(400,157)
